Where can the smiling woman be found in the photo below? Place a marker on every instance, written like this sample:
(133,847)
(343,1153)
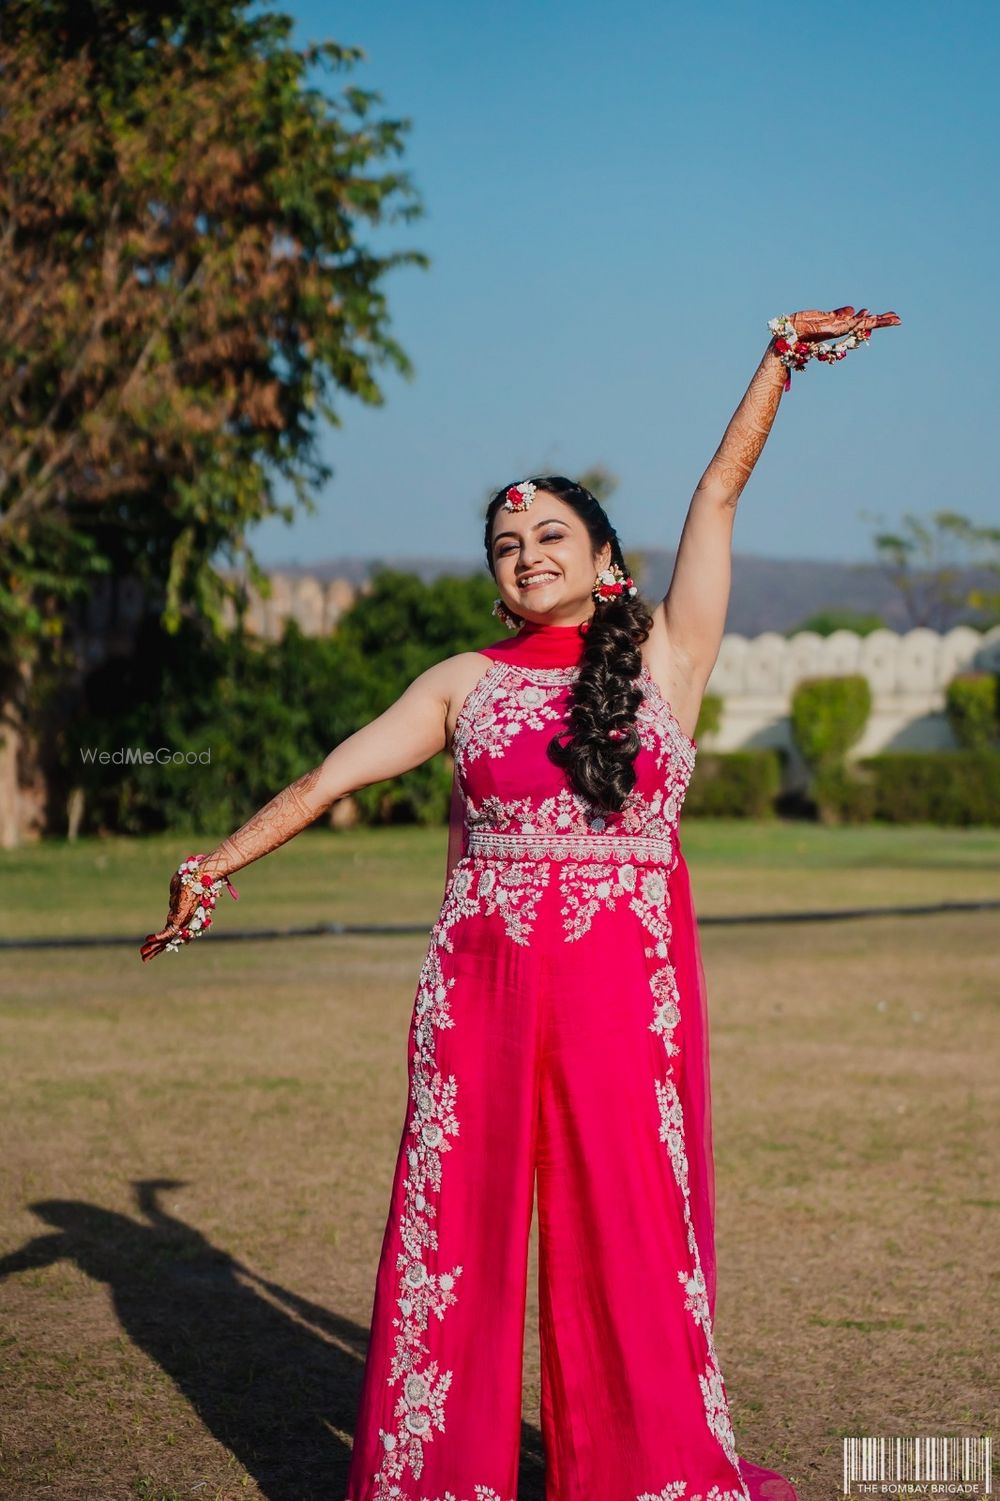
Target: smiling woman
(559,1032)
(548,569)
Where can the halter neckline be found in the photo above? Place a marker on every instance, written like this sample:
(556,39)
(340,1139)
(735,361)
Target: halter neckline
(541,644)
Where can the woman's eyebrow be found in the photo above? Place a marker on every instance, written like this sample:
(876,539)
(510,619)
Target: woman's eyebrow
(537,524)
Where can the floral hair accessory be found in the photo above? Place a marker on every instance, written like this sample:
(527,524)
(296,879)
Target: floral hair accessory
(617,734)
(519,497)
(200,919)
(611,583)
(794,352)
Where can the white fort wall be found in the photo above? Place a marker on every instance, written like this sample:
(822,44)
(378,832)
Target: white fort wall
(907,673)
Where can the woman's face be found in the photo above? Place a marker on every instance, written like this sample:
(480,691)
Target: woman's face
(549,543)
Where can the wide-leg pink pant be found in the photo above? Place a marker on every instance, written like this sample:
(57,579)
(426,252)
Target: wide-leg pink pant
(530,1059)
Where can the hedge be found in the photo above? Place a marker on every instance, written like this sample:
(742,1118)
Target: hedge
(972,704)
(945,787)
(735,784)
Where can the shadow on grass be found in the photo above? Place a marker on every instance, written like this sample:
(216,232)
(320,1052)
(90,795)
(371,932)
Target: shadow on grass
(273,1376)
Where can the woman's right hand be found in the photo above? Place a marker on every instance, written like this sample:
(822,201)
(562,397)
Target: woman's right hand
(814,324)
(183,904)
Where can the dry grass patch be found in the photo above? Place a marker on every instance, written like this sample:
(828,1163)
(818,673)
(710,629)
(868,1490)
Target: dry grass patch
(199,1153)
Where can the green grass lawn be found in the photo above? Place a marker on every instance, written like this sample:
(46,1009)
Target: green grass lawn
(198,1153)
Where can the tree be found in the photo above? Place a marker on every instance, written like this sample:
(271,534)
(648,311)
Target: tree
(183,295)
(929,562)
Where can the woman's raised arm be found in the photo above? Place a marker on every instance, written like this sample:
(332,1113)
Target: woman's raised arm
(405,735)
(689,622)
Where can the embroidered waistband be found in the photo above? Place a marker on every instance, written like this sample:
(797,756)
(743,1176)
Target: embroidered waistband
(644,849)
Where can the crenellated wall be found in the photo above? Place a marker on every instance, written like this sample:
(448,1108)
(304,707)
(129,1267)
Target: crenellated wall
(315,604)
(908,675)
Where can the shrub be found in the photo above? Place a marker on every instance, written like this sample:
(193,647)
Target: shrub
(422,795)
(972,704)
(735,784)
(943,787)
(709,716)
(843,795)
(828,716)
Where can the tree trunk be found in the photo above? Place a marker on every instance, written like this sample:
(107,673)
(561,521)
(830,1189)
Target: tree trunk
(23,795)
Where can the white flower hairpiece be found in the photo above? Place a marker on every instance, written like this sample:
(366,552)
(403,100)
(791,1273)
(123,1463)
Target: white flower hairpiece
(519,497)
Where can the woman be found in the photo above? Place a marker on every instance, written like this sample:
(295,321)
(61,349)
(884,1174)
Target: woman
(559,1027)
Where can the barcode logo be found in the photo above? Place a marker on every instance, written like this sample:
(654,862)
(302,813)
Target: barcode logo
(918,1466)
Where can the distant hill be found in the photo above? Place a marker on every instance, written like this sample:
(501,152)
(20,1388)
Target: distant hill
(768,594)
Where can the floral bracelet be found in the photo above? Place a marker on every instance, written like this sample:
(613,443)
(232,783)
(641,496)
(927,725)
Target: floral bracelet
(206,887)
(794,352)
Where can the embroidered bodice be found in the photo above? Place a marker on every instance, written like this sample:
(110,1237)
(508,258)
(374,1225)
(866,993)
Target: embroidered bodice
(517,800)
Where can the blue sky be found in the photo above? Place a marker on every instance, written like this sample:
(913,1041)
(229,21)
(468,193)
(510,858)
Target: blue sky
(616,201)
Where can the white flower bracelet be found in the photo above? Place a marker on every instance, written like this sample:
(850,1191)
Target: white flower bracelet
(206,887)
(794,352)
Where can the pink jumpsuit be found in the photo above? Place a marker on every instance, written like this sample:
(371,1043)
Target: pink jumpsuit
(550,1036)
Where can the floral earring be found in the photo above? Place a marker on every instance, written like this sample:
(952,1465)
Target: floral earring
(501,611)
(612,582)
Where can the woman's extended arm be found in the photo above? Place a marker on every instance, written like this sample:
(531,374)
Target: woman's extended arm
(689,622)
(408,733)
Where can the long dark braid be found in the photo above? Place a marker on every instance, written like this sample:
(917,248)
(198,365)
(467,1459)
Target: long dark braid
(605,694)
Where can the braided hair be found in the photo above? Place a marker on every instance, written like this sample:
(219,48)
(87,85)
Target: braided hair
(606,693)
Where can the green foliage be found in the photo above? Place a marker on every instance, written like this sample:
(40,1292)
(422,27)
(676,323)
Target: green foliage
(224,702)
(401,626)
(940,787)
(843,795)
(709,716)
(265,712)
(184,292)
(828,716)
(972,704)
(419,796)
(825,622)
(734,784)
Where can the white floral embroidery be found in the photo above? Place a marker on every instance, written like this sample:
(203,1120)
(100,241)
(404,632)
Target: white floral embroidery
(696,1301)
(676,1490)
(511,888)
(493,713)
(663,983)
(711,1382)
(483,1493)
(571,823)
(717,1408)
(422,1290)
(655,711)
(585,888)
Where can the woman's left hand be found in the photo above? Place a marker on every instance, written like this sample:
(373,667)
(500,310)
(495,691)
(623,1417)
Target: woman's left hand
(813,324)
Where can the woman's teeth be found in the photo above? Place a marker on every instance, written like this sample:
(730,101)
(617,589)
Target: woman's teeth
(541,578)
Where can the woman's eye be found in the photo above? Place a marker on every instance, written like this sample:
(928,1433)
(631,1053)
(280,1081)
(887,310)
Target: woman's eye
(548,537)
